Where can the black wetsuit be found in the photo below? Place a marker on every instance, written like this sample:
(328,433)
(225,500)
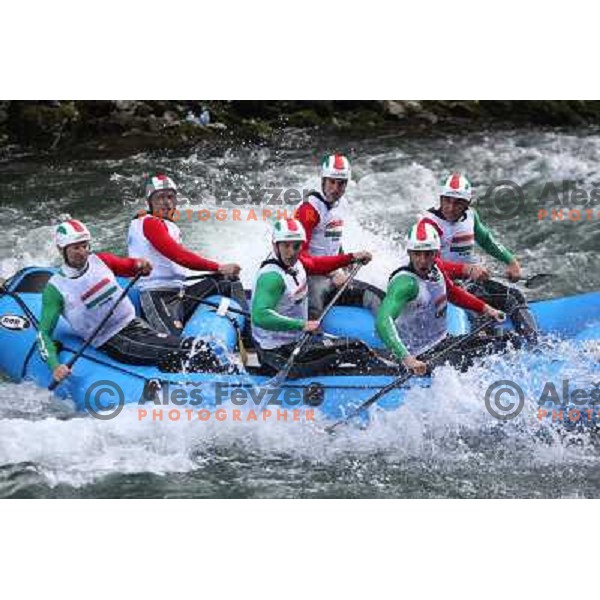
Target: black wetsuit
(167,310)
(323,356)
(139,344)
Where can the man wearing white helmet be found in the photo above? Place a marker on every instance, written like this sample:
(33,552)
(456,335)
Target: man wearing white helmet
(84,291)
(280,305)
(460,228)
(166,302)
(322,215)
(412,320)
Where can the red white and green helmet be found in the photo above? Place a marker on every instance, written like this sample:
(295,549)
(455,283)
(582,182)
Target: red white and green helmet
(335,166)
(423,236)
(288,230)
(158,183)
(71,232)
(457,186)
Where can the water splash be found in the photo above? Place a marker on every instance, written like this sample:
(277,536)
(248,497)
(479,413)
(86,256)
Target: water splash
(441,442)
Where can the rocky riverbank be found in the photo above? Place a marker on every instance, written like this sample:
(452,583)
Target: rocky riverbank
(119,128)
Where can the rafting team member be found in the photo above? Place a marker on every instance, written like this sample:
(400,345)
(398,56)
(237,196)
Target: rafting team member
(460,228)
(322,215)
(280,306)
(166,302)
(84,292)
(412,317)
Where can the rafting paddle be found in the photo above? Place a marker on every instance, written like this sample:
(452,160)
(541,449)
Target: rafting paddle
(200,276)
(281,376)
(533,282)
(54,384)
(408,375)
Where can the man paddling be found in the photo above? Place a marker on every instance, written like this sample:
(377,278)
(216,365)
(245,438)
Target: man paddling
(166,302)
(323,214)
(84,292)
(412,318)
(280,305)
(460,228)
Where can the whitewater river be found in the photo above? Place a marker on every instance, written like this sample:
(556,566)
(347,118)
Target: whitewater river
(441,443)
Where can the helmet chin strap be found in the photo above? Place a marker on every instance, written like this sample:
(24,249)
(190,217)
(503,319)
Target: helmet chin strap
(324,194)
(278,256)
(162,212)
(289,269)
(152,209)
(70,267)
(469,203)
(431,268)
(327,200)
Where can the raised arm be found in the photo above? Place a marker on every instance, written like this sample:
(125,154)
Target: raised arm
(157,234)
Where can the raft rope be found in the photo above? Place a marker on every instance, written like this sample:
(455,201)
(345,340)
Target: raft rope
(36,324)
(222,312)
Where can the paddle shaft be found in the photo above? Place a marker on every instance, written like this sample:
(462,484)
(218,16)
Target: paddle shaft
(54,384)
(329,306)
(340,291)
(404,378)
(201,276)
(530,282)
(247,314)
(283,373)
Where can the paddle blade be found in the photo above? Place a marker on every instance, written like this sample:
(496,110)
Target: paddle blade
(278,379)
(537,281)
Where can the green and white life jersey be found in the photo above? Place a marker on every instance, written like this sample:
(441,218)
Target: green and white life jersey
(165,272)
(292,304)
(422,323)
(458,239)
(90,297)
(326,236)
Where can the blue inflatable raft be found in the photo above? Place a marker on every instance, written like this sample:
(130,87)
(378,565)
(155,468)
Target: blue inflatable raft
(98,381)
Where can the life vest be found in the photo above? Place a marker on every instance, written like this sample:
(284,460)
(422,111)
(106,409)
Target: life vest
(165,272)
(91,296)
(458,239)
(326,238)
(422,323)
(293,303)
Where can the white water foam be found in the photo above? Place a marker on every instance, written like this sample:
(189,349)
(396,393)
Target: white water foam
(444,423)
